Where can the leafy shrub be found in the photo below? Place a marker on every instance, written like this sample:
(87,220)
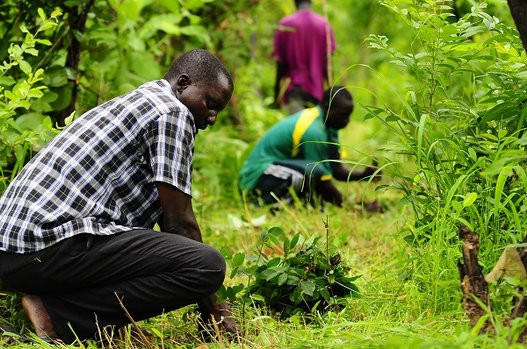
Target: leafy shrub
(304,278)
(22,130)
(462,122)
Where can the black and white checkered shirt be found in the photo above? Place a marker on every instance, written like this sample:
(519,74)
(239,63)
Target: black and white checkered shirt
(98,175)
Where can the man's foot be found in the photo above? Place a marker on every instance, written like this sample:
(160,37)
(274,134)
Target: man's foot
(39,317)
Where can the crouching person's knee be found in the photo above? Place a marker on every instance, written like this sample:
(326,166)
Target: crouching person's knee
(213,269)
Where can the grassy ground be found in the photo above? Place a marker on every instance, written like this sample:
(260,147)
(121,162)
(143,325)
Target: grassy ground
(395,310)
(400,306)
(391,312)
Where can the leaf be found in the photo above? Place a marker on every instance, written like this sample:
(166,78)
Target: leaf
(286,247)
(257,297)
(269,274)
(32,51)
(69,119)
(294,241)
(56,13)
(509,265)
(65,97)
(55,77)
(325,294)
(457,206)
(472,154)
(159,334)
(238,259)
(469,199)
(30,121)
(25,67)
(7,80)
(500,185)
(20,153)
(35,93)
(275,231)
(197,31)
(501,111)
(292,279)
(168,23)
(308,287)
(273,262)
(44,42)
(46,26)
(282,279)
(42,14)
(171,5)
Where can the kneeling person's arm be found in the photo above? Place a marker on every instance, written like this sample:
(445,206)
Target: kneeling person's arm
(178,216)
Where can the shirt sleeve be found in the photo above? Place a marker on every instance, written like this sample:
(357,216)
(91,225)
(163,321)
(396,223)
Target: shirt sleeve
(170,147)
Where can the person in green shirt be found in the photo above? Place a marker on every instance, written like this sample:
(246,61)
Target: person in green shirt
(301,153)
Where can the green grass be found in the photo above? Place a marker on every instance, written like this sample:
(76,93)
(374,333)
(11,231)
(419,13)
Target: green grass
(399,307)
(401,304)
(392,311)
(410,297)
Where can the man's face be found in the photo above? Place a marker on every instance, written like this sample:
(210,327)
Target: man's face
(204,102)
(339,113)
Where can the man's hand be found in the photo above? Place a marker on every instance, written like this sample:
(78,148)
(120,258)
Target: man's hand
(216,320)
(373,170)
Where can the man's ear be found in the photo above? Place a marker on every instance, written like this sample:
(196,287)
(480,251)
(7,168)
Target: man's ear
(182,82)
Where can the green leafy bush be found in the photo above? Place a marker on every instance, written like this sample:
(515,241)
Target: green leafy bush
(22,130)
(304,278)
(462,123)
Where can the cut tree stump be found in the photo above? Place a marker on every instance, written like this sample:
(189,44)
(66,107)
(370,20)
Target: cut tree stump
(473,284)
(475,300)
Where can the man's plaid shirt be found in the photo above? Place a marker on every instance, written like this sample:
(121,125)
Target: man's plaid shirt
(98,175)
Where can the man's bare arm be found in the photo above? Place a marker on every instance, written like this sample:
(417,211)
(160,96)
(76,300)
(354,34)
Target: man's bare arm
(343,173)
(178,218)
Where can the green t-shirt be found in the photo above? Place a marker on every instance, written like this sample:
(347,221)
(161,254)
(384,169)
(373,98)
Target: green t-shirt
(301,136)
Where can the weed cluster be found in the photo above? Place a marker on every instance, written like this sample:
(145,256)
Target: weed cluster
(302,279)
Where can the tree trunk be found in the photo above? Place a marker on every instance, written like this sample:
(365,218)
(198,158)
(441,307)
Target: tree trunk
(78,23)
(519,14)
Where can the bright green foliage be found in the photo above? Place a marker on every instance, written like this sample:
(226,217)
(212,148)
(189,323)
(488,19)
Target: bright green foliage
(304,278)
(132,41)
(20,86)
(462,123)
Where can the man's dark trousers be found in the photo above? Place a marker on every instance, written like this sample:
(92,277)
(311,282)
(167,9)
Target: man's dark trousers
(83,279)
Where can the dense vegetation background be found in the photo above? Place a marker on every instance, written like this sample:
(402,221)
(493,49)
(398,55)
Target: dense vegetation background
(441,90)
